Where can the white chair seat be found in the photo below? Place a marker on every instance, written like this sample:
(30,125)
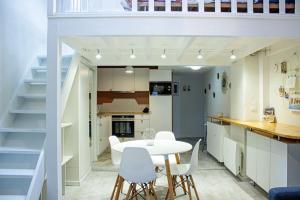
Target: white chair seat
(159,161)
(179,169)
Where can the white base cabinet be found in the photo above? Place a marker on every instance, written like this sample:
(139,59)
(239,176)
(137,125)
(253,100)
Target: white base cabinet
(271,163)
(104,131)
(215,139)
(141,124)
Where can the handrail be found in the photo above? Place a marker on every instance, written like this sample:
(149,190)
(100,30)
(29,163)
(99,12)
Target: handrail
(200,6)
(37,181)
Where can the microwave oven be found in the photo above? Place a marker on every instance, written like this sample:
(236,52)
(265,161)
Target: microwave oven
(160,88)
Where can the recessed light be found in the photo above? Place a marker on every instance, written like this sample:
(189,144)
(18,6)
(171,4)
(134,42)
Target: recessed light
(195,68)
(129,70)
(132,56)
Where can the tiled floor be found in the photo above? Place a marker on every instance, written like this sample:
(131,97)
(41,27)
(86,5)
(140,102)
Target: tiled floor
(213,182)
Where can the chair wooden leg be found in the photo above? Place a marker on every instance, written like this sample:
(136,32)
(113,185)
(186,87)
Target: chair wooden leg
(194,186)
(174,184)
(181,177)
(147,193)
(153,190)
(114,190)
(189,187)
(120,182)
(134,191)
(129,192)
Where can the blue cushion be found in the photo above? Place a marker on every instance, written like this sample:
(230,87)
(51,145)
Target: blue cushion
(284,193)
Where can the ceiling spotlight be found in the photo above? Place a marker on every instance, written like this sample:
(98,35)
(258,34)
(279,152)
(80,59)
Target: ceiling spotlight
(98,55)
(199,56)
(164,56)
(129,70)
(232,57)
(195,68)
(132,56)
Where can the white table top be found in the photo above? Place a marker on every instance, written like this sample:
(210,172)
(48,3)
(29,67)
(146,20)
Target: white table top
(156,147)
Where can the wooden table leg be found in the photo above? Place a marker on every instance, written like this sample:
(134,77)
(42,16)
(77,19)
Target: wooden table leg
(181,177)
(169,177)
(120,182)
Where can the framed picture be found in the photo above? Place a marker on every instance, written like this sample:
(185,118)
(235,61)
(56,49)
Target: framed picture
(284,67)
(294,102)
(176,88)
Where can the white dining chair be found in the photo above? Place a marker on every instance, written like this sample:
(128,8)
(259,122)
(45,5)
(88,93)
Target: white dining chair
(186,170)
(159,161)
(149,134)
(137,168)
(116,160)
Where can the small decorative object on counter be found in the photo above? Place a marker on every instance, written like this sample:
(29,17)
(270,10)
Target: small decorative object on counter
(281,91)
(294,103)
(284,67)
(146,110)
(269,115)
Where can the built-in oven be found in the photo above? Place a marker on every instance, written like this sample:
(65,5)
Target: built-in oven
(162,88)
(123,126)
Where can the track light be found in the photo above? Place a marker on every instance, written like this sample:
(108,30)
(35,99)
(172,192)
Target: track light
(232,57)
(129,70)
(98,55)
(132,56)
(199,56)
(164,56)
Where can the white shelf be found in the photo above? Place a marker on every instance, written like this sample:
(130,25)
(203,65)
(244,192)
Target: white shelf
(65,125)
(66,159)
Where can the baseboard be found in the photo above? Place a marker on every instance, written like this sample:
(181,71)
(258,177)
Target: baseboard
(78,183)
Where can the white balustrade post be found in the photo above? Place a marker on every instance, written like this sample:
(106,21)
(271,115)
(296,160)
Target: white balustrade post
(151,5)
(134,5)
(218,6)
(168,5)
(250,6)
(201,5)
(266,6)
(282,6)
(297,7)
(234,6)
(184,5)
(51,7)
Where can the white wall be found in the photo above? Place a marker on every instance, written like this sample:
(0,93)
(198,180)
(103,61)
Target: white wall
(188,107)
(22,37)
(221,103)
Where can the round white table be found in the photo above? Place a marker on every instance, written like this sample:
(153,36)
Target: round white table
(159,147)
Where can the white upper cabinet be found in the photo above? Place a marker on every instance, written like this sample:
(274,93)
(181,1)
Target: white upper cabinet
(160,75)
(115,79)
(122,81)
(141,79)
(105,79)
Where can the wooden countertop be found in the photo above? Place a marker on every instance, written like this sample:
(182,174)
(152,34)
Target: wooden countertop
(274,130)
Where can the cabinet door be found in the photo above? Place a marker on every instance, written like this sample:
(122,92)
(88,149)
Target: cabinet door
(278,174)
(251,156)
(122,81)
(141,79)
(105,79)
(263,161)
(211,139)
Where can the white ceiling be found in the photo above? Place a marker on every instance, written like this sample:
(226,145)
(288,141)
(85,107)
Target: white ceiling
(180,51)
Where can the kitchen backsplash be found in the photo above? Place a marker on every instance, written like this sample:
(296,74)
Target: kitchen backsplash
(122,105)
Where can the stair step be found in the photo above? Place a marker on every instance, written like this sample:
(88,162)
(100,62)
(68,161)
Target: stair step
(16,173)
(22,111)
(11,150)
(12,197)
(36,81)
(33,96)
(22,130)
(42,69)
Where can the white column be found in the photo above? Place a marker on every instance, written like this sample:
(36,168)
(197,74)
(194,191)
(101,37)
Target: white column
(201,5)
(134,5)
(234,6)
(218,6)
(151,5)
(53,140)
(266,6)
(263,83)
(184,5)
(51,7)
(282,6)
(168,5)
(250,6)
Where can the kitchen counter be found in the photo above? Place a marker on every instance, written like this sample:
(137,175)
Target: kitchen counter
(273,130)
(121,113)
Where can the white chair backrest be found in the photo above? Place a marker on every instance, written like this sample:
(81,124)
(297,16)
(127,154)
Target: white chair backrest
(165,135)
(149,134)
(115,156)
(194,158)
(137,166)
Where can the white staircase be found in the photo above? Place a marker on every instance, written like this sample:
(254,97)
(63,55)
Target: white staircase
(22,136)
